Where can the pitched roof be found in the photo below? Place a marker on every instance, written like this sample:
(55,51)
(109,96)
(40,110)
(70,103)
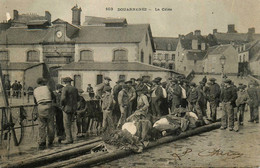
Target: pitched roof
(113,66)
(218,49)
(162,43)
(226,38)
(23,35)
(92,20)
(25,18)
(254,52)
(192,55)
(19,65)
(100,34)
(37,22)
(186,41)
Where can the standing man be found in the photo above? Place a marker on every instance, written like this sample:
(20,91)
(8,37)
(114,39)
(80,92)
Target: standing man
(203,100)
(20,87)
(228,97)
(123,102)
(242,99)
(15,89)
(107,108)
(43,97)
(90,91)
(213,98)
(81,115)
(157,97)
(59,114)
(253,102)
(100,87)
(132,97)
(69,99)
(174,95)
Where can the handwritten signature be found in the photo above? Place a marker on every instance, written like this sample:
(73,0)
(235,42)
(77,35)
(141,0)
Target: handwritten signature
(209,153)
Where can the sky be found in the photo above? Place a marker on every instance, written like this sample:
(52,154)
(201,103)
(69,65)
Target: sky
(185,15)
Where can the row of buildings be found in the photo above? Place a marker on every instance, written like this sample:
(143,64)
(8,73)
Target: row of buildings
(32,45)
(86,52)
(202,53)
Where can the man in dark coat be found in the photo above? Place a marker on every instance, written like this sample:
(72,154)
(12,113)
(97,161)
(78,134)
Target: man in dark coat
(174,95)
(228,98)
(15,88)
(253,102)
(69,99)
(157,97)
(213,98)
(100,87)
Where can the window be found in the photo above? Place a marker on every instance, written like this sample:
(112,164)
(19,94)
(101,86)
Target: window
(122,77)
(170,66)
(244,58)
(120,55)
(240,58)
(173,57)
(166,56)
(199,46)
(33,56)
(99,79)
(142,56)
(86,55)
(4,56)
(150,59)
(184,68)
(195,61)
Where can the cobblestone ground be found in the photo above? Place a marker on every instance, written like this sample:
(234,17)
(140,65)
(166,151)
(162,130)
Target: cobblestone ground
(218,148)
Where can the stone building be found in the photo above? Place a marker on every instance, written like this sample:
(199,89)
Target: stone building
(165,52)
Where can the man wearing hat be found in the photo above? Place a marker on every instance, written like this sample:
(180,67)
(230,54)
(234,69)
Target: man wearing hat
(59,114)
(157,97)
(174,95)
(253,102)
(140,85)
(81,115)
(242,98)
(203,100)
(123,102)
(44,99)
(194,100)
(100,87)
(107,108)
(69,100)
(213,98)
(132,97)
(228,97)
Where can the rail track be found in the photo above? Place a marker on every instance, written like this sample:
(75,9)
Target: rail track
(80,155)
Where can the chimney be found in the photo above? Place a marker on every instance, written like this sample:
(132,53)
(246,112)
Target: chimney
(251,30)
(215,31)
(76,12)
(48,16)
(197,32)
(16,14)
(231,28)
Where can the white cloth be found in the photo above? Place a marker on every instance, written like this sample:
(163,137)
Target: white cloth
(130,127)
(183,93)
(164,93)
(42,94)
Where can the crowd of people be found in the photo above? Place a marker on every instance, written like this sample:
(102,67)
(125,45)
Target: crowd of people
(14,90)
(152,99)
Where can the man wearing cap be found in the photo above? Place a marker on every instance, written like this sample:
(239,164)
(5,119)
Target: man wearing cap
(141,85)
(59,114)
(157,97)
(123,102)
(69,100)
(228,97)
(100,87)
(81,115)
(132,97)
(194,100)
(117,88)
(203,100)
(44,97)
(253,102)
(213,98)
(174,95)
(107,108)
(242,99)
